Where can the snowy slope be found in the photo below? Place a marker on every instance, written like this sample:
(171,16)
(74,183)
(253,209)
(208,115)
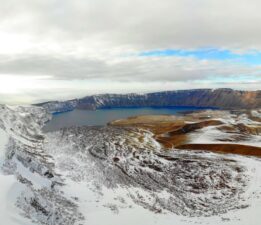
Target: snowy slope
(31,188)
(112,175)
(214,135)
(131,184)
(10,190)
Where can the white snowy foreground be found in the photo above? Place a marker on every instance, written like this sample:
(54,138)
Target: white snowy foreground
(110,175)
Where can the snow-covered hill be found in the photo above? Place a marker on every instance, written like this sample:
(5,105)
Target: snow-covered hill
(31,187)
(113,175)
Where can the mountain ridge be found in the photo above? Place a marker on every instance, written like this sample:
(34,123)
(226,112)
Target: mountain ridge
(223,98)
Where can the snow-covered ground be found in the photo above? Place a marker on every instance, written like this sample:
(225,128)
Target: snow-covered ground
(110,175)
(213,135)
(30,191)
(105,197)
(115,207)
(10,189)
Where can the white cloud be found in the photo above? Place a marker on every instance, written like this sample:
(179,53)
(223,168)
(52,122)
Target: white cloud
(138,24)
(76,43)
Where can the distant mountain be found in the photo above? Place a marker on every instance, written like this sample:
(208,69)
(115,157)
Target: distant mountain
(221,98)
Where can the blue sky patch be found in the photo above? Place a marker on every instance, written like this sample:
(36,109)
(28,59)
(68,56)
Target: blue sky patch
(252,58)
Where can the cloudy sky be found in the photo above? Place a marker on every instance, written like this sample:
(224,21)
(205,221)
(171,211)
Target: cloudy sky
(60,49)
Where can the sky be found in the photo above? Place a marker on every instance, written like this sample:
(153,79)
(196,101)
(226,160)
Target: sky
(63,49)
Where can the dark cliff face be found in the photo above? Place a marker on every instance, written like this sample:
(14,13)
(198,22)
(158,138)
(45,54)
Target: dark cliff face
(113,100)
(220,98)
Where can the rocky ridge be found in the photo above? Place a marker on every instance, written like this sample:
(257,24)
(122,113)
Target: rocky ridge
(41,199)
(216,98)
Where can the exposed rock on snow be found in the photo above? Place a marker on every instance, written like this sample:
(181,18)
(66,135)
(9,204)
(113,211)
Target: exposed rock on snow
(96,171)
(40,199)
(191,184)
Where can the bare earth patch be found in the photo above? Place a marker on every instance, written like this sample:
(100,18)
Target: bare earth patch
(237,129)
(225,148)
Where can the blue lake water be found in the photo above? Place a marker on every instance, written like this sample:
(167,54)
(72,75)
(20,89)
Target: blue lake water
(103,116)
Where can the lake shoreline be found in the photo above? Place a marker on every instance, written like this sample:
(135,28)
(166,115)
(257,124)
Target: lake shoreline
(101,117)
